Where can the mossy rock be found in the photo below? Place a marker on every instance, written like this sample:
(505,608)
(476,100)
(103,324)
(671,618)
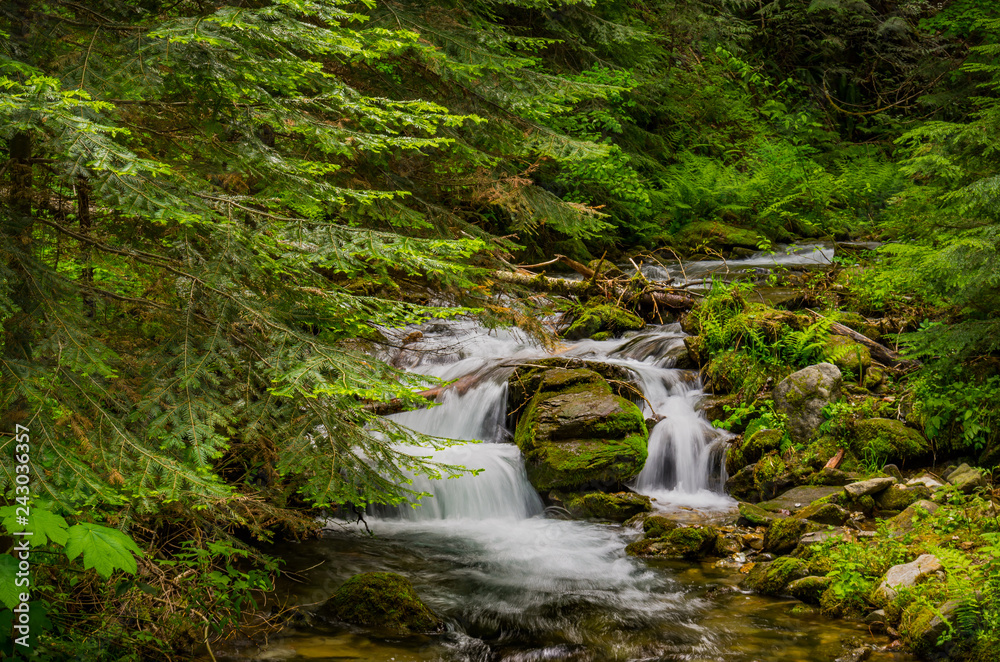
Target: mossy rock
(600,318)
(383,601)
(847,355)
(753,515)
(658,526)
(752,449)
(824,513)
(890,439)
(899,497)
(616,507)
(783,535)
(809,589)
(528,380)
(874,377)
(922,625)
(735,372)
(715,235)
(766,473)
(576,435)
(774,577)
(687,542)
(741,485)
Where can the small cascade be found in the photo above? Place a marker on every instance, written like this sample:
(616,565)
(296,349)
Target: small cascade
(502,489)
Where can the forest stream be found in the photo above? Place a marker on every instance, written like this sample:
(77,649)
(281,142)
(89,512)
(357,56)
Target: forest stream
(520,582)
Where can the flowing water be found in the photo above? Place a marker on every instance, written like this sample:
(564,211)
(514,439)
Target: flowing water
(516,583)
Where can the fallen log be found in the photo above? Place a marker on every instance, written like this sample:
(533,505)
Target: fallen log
(668,298)
(879,352)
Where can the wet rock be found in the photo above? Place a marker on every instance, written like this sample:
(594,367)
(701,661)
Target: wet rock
(809,589)
(383,601)
(904,522)
(593,319)
(772,578)
(859,654)
(866,487)
(802,396)
(725,546)
(906,575)
(751,515)
(687,542)
(616,507)
(816,537)
(967,479)
(784,535)
(577,435)
(742,486)
(876,621)
(887,437)
(754,541)
(824,513)
(658,526)
(834,477)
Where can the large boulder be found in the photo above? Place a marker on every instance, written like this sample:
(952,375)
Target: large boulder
(803,394)
(383,601)
(774,577)
(577,435)
(889,439)
(967,479)
(602,318)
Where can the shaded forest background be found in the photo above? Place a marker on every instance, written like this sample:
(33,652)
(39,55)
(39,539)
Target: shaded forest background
(210,207)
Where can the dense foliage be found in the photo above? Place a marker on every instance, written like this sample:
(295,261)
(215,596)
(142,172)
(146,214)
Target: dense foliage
(210,207)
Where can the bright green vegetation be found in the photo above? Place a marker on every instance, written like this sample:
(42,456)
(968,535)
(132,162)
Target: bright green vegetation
(384,601)
(209,208)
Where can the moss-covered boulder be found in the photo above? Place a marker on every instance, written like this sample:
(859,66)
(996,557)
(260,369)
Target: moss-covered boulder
(774,577)
(899,497)
(889,439)
(689,542)
(809,589)
(602,318)
(824,513)
(383,601)
(803,394)
(577,435)
(616,507)
(922,624)
(658,526)
(751,449)
(783,535)
(849,356)
(769,475)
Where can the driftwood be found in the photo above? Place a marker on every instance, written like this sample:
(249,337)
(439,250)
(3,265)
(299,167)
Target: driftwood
(879,352)
(660,297)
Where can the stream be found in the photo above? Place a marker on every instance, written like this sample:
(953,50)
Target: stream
(519,583)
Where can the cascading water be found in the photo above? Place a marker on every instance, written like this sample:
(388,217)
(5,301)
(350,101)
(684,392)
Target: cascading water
(517,586)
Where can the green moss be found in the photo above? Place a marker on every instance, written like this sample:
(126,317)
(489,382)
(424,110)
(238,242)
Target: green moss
(752,449)
(784,534)
(847,355)
(683,542)
(824,513)
(658,526)
(715,234)
(755,515)
(772,578)
(607,318)
(382,600)
(765,471)
(888,439)
(615,507)
(736,372)
(586,463)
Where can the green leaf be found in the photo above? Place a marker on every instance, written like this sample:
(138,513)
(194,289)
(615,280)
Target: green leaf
(104,549)
(44,525)
(8,591)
